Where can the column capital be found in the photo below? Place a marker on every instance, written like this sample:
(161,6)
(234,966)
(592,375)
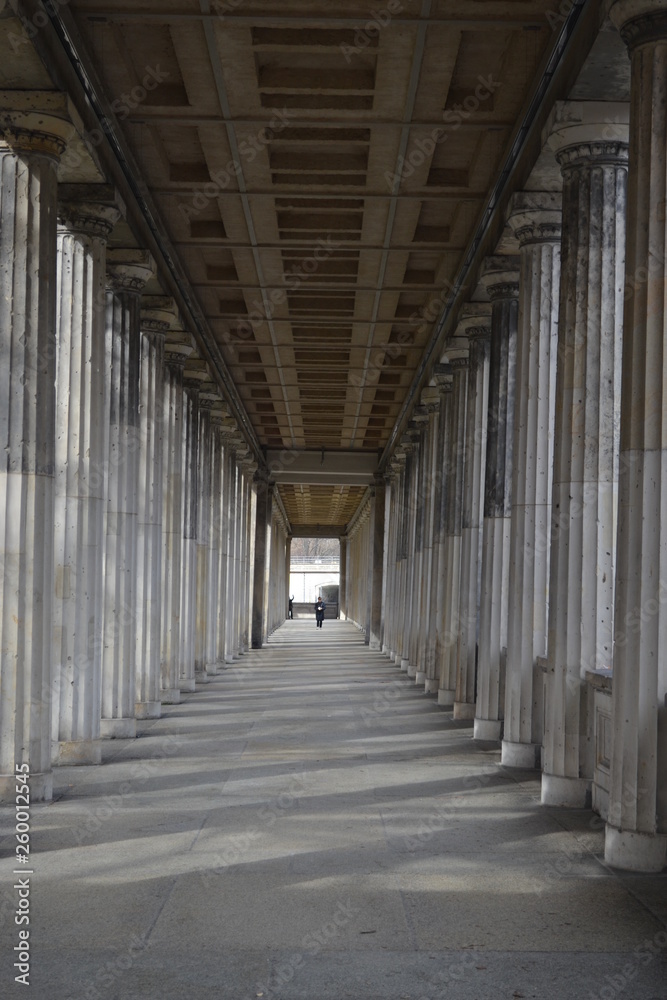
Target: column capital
(442,376)
(128,270)
(176,354)
(159,313)
(588,131)
(89,209)
(639,21)
(536,216)
(419,416)
(475,321)
(457,349)
(500,276)
(37,121)
(430,398)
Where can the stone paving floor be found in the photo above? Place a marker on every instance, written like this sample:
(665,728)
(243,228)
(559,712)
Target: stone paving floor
(310,826)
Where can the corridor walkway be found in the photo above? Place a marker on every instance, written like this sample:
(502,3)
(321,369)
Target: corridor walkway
(310,825)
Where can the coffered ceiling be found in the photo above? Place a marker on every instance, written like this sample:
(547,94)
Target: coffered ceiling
(319,170)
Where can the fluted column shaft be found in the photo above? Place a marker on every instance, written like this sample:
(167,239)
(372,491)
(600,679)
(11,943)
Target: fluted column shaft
(80,483)
(431,400)
(581,584)
(28,204)
(189,540)
(128,273)
(472,515)
(149,520)
(172,526)
(536,221)
(215,608)
(453,525)
(503,286)
(223,513)
(636,832)
(262,529)
(203,480)
(377,562)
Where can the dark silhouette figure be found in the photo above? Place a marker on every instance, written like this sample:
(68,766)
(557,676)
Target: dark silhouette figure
(291,607)
(320,608)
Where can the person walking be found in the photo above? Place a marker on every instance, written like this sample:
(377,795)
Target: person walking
(291,607)
(320,608)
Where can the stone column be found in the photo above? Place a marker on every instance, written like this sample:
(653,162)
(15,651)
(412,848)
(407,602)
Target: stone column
(249,468)
(636,832)
(223,513)
(343,577)
(443,378)
(128,272)
(30,147)
(501,279)
(215,608)
(204,470)
(453,466)
(262,559)
(535,219)
(176,354)
(80,480)
(477,317)
(377,561)
(430,401)
(233,574)
(157,315)
(288,565)
(583,526)
(410,442)
(189,540)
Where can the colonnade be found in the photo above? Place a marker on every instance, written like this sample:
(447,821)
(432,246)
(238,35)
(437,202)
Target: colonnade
(526,543)
(129,494)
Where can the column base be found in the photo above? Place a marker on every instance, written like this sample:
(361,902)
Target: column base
(148,709)
(187,684)
(557,790)
(118,729)
(431,685)
(41,787)
(464,710)
(633,851)
(487,730)
(524,755)
(201,677)
(446,697)
(412,670)
(420,678)
(170,696)
(70,753)
(404,664)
